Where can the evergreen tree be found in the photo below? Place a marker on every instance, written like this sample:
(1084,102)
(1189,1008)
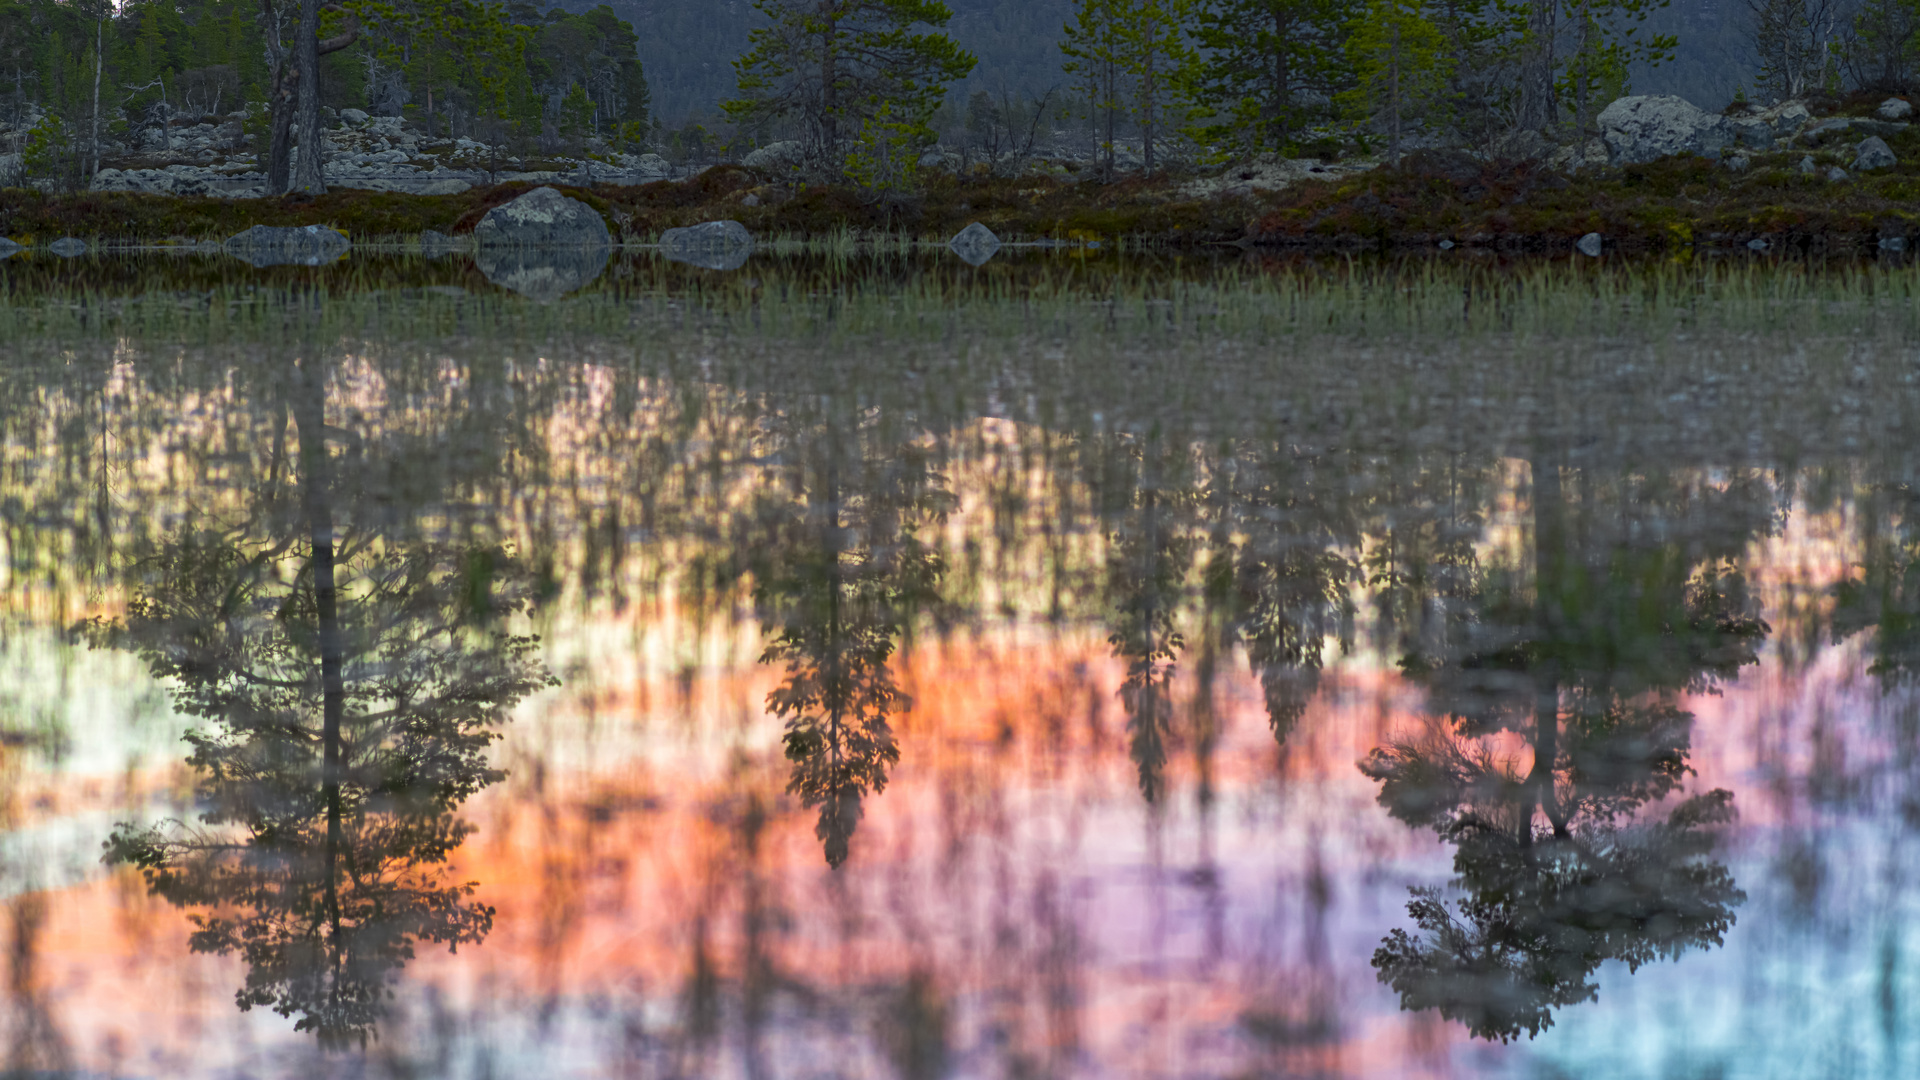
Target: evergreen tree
(1270,70)
(1401,66)
(830,67)
(1159,64)
(1091,43)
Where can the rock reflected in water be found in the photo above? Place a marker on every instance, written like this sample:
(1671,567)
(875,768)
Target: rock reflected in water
(543,274)
(976,244)
(266,245)
(715,245)
(68,247)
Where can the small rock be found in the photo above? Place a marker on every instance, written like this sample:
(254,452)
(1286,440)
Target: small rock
(1837,175)
(1874,153)
(779,155)
(1738,163)
(715,245)
(7,248)
(751,200)
(266,245)
(1806,165)
(353,117)
(1758,244)
(1893,243)
(1590,245)
(1894,109)
(436,244)
(975,244)
(543,218)
(1446,245)
(67,247)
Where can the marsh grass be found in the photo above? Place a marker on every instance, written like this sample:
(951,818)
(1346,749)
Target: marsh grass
(850,288)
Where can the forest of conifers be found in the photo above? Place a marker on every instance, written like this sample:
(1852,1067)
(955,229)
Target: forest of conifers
(636,72)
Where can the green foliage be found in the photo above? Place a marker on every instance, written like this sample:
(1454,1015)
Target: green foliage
(1401,67)
(1269,70)
(828,70)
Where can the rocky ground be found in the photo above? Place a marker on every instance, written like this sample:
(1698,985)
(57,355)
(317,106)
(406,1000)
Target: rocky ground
(1660,173)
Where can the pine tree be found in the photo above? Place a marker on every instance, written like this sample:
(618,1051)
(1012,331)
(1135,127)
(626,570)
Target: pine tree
(1271,70)
(1091,43)
(1400,61)
(832,67)
(1159,64)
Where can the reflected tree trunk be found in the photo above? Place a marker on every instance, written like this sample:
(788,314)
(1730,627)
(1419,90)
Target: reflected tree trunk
(317,507)
(1549,555)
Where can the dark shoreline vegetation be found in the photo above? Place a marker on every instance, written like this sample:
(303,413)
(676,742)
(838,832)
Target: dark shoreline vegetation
(1665,206)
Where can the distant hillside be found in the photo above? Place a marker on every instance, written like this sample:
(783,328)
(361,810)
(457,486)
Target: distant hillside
(687,48)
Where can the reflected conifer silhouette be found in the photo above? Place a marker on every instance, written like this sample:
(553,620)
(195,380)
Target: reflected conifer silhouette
(350,685)
(1632,596)
(840,570)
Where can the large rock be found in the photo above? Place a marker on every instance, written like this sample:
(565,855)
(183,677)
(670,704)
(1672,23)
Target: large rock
(1874,153)
(1648,128)
(777,156)
(975,244)
(1895,109)
(543,218)
(542,273)
(1762,129)
(267,245)
(716,245)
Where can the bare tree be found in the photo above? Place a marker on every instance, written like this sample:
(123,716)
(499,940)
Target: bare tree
(1794,39)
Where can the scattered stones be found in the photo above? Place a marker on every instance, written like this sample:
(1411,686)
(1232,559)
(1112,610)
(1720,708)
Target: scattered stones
(1874,153)
(267,245)
(975,244)
(1647,127)
(544,274)
(543,218)
(1590,245)
(68,247)
(1894,109)
(715,245)
(1837,175)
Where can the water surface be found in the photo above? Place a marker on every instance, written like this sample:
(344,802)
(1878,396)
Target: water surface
(830,670)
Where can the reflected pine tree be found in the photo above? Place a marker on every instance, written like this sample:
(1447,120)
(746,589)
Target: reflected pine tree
(840,570)
(1150,555)
(1632,596)
(1885,595)
(350,686)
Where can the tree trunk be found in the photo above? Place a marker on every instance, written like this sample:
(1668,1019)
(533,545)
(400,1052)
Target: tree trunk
(306,61)
(1536,71)
(99,62)
(1549,564)
(310,413)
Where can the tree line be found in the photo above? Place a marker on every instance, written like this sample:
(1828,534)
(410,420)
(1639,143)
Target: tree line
(76,76)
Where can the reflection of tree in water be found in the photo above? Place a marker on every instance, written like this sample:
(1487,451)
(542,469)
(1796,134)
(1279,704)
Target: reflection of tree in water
(350,685)
(1277,531)
(1633,598)
(841,569)
(1885,596)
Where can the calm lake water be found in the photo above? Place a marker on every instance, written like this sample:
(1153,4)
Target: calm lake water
(828,670)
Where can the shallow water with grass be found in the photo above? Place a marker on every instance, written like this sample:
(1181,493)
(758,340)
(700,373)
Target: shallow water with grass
(859,664)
